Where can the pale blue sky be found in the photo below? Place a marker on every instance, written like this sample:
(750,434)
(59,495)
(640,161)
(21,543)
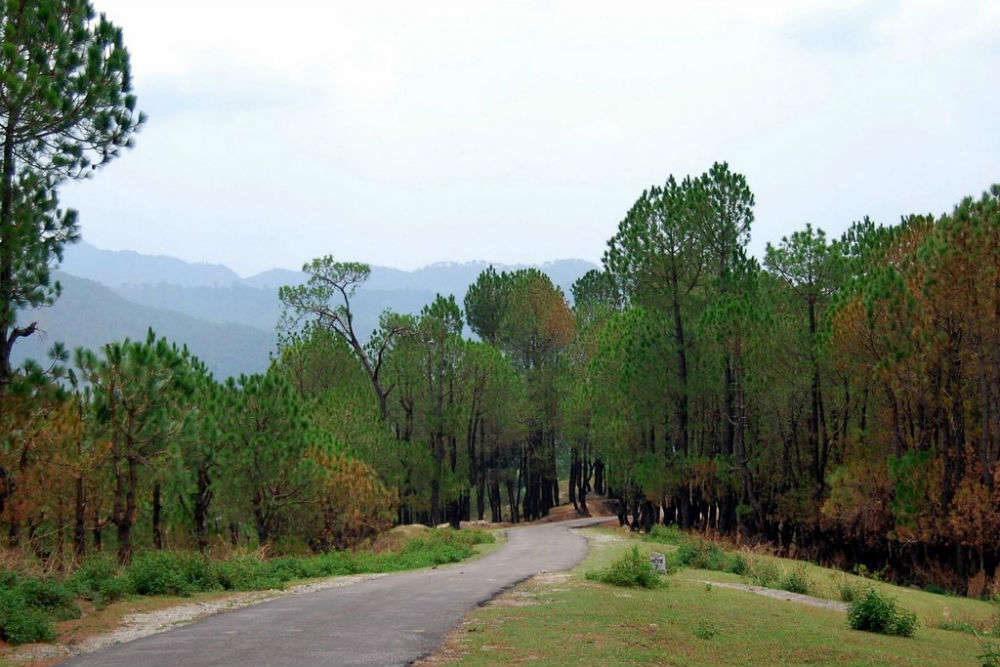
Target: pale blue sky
(408,133)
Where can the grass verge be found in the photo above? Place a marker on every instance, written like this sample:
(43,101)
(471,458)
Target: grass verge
(573,621)
(31,606)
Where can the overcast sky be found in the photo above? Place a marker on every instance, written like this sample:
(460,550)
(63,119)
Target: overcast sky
(413,132)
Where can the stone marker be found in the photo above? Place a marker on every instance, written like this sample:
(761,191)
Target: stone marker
(659,562)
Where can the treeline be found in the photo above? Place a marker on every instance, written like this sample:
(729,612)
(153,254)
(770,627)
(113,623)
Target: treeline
(839,401)
(137,442)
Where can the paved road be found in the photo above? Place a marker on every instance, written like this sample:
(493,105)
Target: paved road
(391,620)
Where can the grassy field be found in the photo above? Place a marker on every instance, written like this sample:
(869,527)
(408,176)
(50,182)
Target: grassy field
(568,620)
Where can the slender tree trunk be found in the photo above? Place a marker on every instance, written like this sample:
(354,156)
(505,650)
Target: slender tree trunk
(79,521)
(157,533)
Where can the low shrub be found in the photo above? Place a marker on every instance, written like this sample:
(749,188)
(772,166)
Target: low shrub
(705,555)
(20,622)
(705,629)
(666,535)
(737,564)
(764,572)
(958,626)
(631,570)
(50,596)
(160,573)
(797,581)
(849,590)
(874,612)
(990,656)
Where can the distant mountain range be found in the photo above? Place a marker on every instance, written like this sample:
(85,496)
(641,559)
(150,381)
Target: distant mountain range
(226,320)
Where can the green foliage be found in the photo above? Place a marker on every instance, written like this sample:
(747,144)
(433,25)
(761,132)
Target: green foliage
(764,572)
(797,580)
(849,590)
(29,605)
(666,535)
(67,108)
(171,573)
(874,612)
(707,555)
(631,570)
(705,629)
(99,578)
(990,655)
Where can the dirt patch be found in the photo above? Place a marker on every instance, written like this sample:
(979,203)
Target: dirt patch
(136,626)
(779,595)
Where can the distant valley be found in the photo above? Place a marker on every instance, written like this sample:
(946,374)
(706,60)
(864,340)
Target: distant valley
(226,320)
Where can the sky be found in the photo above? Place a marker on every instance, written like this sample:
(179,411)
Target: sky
(414,132)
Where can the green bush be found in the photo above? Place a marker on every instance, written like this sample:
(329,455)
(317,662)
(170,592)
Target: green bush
(159,573)
(248,573)
(764,572)
(797,581)
(631,570)
(737,564)
(666,535)
(874,612)
(990,655)
(701,555)
(849,590)
(19,622)
(49,596)
(705,629)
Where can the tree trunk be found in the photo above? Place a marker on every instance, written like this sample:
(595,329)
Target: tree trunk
(157,533)
(79,522)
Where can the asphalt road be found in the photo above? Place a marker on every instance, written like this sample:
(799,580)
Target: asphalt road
(391,620)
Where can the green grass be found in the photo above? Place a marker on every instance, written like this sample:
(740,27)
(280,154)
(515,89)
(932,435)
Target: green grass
(689,623)
(30,605)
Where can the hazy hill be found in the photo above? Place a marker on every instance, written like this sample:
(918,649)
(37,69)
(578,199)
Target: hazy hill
(117,267)
(89,314)
(226,320)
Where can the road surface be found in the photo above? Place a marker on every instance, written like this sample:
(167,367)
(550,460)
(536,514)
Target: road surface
(391,620)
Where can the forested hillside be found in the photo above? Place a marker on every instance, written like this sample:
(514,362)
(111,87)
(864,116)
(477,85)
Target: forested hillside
(837,400)
(228,322)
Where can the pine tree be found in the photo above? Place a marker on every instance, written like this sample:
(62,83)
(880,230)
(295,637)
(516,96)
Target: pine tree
(66,108)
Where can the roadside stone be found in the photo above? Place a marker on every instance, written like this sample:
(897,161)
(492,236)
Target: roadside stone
(659,562)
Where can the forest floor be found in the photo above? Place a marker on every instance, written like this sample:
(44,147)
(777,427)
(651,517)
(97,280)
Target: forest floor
(703,617)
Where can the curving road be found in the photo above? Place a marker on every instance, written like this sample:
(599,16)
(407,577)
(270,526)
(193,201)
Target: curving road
(391,620)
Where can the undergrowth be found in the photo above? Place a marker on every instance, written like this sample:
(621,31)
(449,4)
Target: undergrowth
(631,570)
(874,612)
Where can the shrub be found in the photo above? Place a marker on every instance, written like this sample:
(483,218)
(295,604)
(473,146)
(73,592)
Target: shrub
(702,555)
(705,629)
(874,612)
(20,623)
(764,572)
(797,581)
(990,655)
(666,535)
(99,579)
(630,570)
(52,597)
(248,573)
(159,573)
(849,590)
(737,564)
